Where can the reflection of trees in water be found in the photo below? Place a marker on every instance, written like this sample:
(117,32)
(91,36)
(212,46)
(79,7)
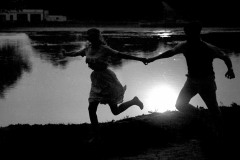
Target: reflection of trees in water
(143,44)
(133,44)
(12,65)
(50,53)
(50,44)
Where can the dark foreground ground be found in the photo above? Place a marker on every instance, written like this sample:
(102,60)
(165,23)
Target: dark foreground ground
(160,136)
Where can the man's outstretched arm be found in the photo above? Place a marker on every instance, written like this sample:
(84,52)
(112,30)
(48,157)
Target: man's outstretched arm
(166,54)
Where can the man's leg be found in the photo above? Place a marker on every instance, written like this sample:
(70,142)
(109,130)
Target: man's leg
(187,92)
(210,99)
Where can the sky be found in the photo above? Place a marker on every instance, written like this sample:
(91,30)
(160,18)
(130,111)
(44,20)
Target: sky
(211,12)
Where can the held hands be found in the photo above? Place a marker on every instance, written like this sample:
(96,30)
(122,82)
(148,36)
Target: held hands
(147,60)
(230,74)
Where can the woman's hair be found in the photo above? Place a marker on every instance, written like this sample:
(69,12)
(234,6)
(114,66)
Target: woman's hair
(96,33)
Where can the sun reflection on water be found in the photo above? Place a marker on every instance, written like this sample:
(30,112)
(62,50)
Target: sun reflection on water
(161,98)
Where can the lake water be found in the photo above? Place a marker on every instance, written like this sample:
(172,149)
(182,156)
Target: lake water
(37,87)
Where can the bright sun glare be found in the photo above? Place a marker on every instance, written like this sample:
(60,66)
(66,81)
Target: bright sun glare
(161,98)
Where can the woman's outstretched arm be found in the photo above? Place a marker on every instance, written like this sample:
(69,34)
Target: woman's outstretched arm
(125,55)
(73,53)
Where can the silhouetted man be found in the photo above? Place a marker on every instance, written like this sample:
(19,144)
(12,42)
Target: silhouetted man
(200,78)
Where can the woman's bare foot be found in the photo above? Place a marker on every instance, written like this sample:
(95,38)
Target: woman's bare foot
(138,102)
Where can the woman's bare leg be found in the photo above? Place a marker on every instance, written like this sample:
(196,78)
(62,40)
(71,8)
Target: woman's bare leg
(116,110)
(92,109)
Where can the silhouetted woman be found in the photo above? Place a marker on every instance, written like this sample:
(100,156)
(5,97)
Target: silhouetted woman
(105,87)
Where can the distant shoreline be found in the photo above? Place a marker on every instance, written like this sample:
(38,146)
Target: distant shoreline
(83,26)
(73,24)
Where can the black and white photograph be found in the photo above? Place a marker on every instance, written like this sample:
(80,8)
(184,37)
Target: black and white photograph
(119,80)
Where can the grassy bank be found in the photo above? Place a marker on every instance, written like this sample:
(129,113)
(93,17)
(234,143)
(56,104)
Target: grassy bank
(126,137)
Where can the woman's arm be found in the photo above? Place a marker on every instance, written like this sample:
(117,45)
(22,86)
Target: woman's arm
(127,56)
(73,53)
(123,55)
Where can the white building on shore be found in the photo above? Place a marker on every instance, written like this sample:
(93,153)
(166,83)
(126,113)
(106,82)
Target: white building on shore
(30,15)
(56,18)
